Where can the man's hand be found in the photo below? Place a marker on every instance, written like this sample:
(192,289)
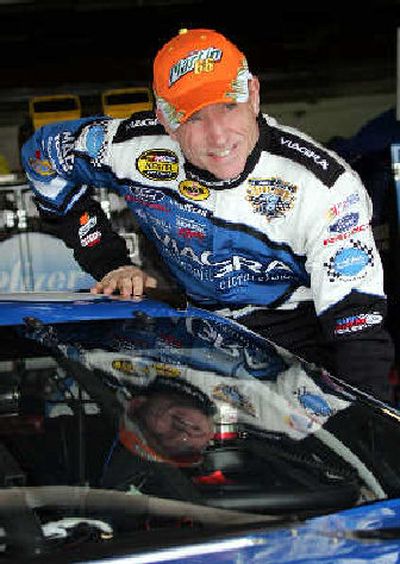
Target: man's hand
(127,280)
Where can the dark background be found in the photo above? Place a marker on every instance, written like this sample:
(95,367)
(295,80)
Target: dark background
(299,49)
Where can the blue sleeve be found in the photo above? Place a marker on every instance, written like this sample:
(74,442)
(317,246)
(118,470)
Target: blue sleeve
(53,167)
(62,176)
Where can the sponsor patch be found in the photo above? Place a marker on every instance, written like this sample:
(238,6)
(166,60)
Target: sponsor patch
(42,167)
(344,223)
(140,123)
(87,223)
(187,233)
(91,240)
(64,145)
(350,263)
(87,239)
(94,141)
(193,190)
(344,236)
(147,197)
(232,272)
(192,209)
(307,151)
(271,197)
(126,366)
(190,228)
(158,164)
(342,207)
(356,323)
(313,157)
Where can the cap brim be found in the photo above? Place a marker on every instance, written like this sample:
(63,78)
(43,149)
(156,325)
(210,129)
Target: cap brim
(203,96)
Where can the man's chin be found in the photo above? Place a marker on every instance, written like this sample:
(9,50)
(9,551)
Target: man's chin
(227,172)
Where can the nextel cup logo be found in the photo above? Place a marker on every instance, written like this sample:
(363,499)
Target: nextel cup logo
(158,164)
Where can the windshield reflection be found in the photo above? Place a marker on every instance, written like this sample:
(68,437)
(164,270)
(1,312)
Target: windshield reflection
(172,421)
(206,411)
(245,378)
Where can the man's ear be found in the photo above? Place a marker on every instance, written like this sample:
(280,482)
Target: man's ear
(254,94)
(164,122)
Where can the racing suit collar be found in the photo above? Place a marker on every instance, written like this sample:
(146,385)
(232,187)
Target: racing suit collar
(207,179)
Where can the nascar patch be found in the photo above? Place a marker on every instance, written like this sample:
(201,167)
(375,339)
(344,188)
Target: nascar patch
(193,190)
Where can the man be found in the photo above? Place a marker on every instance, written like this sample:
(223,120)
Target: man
(170,424)
(253,219)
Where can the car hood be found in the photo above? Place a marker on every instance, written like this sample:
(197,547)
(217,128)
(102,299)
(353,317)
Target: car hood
(366,533)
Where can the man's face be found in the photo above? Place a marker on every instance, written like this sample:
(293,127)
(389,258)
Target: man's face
(174,426)
(220,137)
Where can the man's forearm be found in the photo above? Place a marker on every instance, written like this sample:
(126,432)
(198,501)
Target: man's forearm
(87,230)
(366,364)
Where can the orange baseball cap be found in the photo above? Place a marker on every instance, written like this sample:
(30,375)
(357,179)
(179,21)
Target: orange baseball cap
(197,68)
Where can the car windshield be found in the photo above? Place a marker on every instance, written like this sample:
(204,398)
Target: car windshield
(174,422)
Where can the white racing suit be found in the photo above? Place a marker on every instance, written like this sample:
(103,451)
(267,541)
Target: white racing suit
(286,248)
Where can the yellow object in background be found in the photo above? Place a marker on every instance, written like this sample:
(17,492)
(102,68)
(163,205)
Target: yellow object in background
(123,102)
(4,168)
(57,107)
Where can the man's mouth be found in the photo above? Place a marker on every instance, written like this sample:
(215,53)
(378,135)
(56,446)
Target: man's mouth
(221,153)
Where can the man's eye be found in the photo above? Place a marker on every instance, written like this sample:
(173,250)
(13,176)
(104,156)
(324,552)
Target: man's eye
(230,107)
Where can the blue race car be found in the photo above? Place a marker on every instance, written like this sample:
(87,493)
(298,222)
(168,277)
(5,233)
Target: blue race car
(142,431)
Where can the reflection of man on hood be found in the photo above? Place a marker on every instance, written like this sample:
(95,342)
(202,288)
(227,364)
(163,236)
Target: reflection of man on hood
(171,421)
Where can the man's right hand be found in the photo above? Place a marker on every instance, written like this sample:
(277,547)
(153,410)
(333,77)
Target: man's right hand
(127,281)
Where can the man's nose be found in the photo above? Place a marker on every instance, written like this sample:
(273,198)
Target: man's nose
(215,130)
